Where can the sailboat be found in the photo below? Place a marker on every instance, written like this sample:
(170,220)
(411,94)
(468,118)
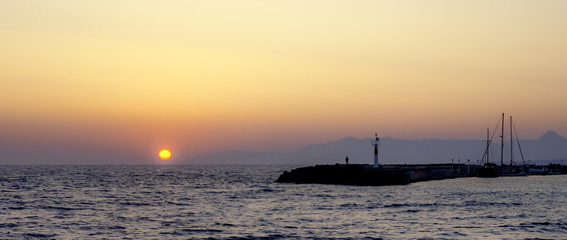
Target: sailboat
(513,169)
(490,169)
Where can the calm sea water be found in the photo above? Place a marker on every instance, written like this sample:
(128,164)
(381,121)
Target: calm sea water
(224,202)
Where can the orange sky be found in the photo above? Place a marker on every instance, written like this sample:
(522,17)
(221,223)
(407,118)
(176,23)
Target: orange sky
(121,79)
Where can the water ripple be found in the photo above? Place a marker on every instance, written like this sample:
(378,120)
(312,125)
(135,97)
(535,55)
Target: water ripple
(242,202)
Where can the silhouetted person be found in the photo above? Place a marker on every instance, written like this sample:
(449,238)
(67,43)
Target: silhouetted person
(346,160)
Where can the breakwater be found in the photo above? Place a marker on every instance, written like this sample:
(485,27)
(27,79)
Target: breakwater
(367,175)
(363,174)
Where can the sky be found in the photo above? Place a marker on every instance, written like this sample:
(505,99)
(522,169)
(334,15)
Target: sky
(113,82)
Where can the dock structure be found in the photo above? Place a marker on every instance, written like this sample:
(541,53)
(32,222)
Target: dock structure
(374,175)
(395,174)
(367,175)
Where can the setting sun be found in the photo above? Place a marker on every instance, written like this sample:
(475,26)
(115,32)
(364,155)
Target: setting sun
(164,154)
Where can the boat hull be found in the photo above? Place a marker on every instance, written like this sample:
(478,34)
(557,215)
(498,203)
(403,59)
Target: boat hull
(488,172)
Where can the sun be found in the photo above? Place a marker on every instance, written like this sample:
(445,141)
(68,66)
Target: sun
(164,154)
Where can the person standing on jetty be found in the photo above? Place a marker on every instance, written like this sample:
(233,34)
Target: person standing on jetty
(346,160)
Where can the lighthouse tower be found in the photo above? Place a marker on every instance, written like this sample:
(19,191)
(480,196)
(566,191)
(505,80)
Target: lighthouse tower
(376,143)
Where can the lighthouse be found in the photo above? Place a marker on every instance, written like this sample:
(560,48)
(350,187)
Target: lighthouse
(376,142)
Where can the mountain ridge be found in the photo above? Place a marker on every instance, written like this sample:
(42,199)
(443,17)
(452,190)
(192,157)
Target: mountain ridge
(396,151)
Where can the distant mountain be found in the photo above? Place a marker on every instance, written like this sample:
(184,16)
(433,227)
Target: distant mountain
(549,146)
(552,136)
(398,151)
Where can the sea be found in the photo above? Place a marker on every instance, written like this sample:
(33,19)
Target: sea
(244,202)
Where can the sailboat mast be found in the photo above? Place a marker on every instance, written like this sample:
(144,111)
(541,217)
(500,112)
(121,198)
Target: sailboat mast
(511,143)
(487,145)
(502,143)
